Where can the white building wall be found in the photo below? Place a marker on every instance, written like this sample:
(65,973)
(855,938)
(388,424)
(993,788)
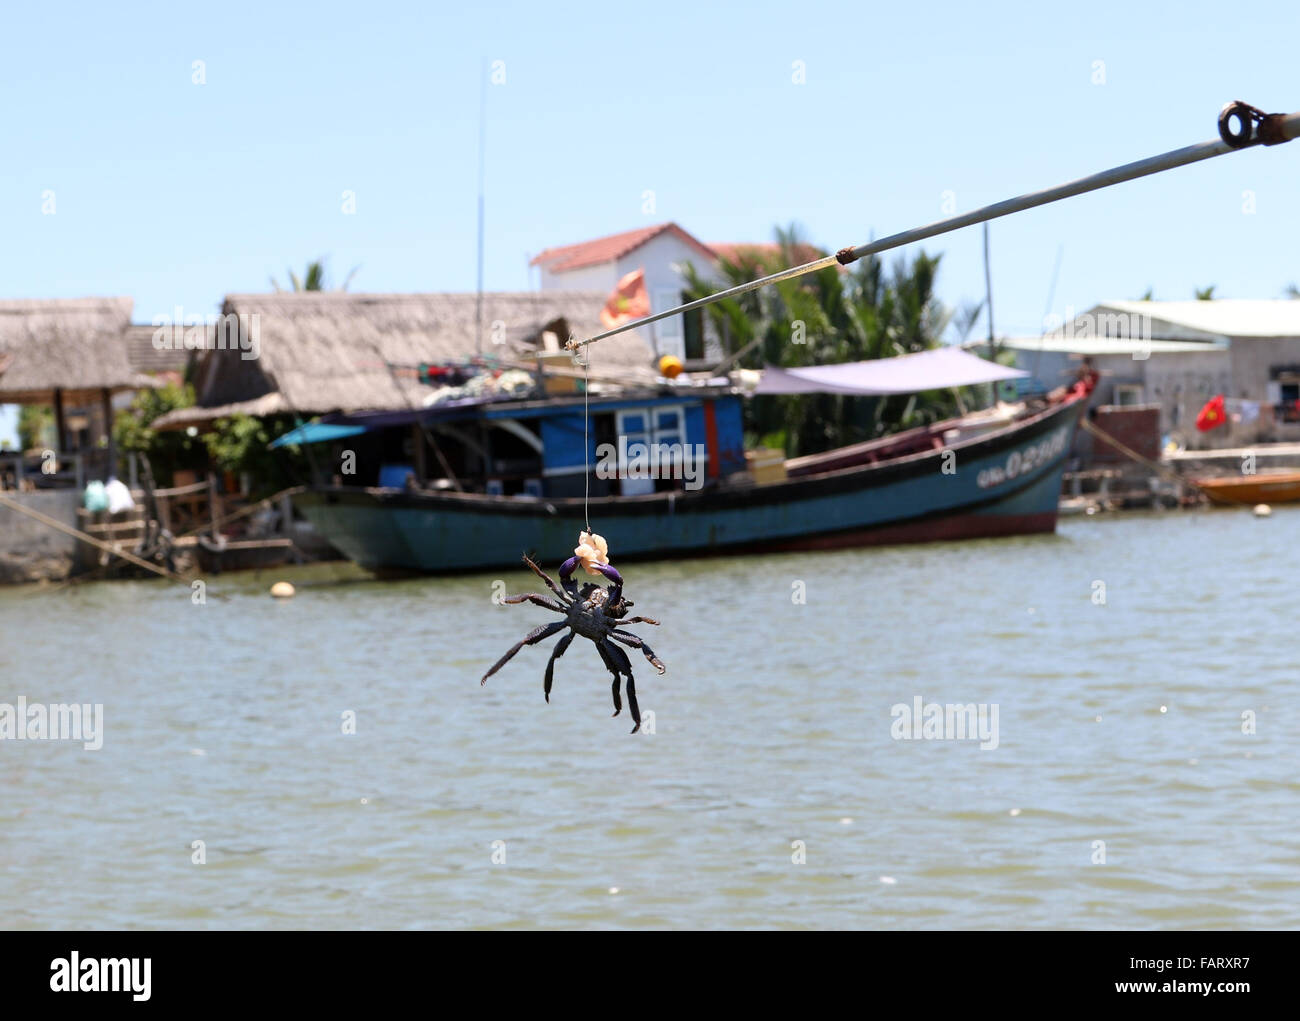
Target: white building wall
(662,258)
(600,277)
(1179,382)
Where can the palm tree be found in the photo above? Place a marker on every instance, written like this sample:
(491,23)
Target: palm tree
(314,278)
(832,315)
(1204,293)
(964,318)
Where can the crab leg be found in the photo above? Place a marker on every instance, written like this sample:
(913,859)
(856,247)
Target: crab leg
(638,620)
(604,648)
(533,597)
(631,702)
(630,639)
(622,662)
(558,651)
(533,637)
(544,576)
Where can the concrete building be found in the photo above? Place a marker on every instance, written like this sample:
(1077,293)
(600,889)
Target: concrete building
(1177,355)
(662,250)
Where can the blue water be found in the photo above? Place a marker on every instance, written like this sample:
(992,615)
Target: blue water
(223,724)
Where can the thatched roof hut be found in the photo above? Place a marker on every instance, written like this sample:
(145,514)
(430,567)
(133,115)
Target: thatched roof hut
(71,345)
(147,356)
(322,351)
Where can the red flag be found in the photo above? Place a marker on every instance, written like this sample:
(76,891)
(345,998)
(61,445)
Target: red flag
(1212,415)
(629,301)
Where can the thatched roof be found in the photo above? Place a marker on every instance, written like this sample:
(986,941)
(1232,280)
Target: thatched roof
(168,356)
(71,344)
(324,351)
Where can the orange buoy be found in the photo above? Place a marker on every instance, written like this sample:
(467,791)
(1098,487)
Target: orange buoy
(670,366)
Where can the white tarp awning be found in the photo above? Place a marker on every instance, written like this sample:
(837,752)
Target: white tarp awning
(927,370)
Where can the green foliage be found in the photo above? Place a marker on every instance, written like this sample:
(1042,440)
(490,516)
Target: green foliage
(314,279)
(168,451)
(240,444)
(36,426)
(1204,293)
(828,317)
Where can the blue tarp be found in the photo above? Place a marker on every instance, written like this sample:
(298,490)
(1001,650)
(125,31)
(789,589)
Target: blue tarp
(317,432)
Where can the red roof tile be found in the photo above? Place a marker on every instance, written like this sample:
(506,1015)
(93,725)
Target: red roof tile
(607,249)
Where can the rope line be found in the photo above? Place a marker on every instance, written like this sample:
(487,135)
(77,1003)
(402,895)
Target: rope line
(586,444)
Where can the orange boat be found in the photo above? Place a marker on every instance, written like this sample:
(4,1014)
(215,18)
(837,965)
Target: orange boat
(1281,487)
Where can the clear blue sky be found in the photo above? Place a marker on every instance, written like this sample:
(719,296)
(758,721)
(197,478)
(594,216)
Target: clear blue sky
(177,193)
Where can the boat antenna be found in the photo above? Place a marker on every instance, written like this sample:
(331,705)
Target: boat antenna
(1241,126)
(988,307)
(482,121)
(988,297)
(1051,297)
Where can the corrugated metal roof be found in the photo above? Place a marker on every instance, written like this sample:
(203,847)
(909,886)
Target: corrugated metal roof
(1228,317)
(1053,343)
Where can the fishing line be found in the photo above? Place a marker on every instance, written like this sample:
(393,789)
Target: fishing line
(586,445)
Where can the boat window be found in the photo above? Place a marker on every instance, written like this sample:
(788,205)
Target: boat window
(642,427)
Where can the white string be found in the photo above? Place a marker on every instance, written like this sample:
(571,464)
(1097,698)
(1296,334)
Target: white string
(586,446)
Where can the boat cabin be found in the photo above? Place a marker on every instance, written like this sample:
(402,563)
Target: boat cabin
(632,444)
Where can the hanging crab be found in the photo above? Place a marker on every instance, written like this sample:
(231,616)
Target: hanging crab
(593,611)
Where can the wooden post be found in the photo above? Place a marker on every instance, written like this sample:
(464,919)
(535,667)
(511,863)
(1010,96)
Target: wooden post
(60,427)
(107,399)
(421,468)
(214,507)
(286,516)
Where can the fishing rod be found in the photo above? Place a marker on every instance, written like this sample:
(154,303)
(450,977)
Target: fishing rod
(1241,126)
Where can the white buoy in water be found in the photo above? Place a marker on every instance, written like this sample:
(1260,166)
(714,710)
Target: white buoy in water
(282,590)
(1263,510)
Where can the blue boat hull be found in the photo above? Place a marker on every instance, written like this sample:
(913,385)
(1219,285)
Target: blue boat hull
(1004,483)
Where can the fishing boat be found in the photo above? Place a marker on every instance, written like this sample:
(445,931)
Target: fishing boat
(1276,487)
(995,472)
